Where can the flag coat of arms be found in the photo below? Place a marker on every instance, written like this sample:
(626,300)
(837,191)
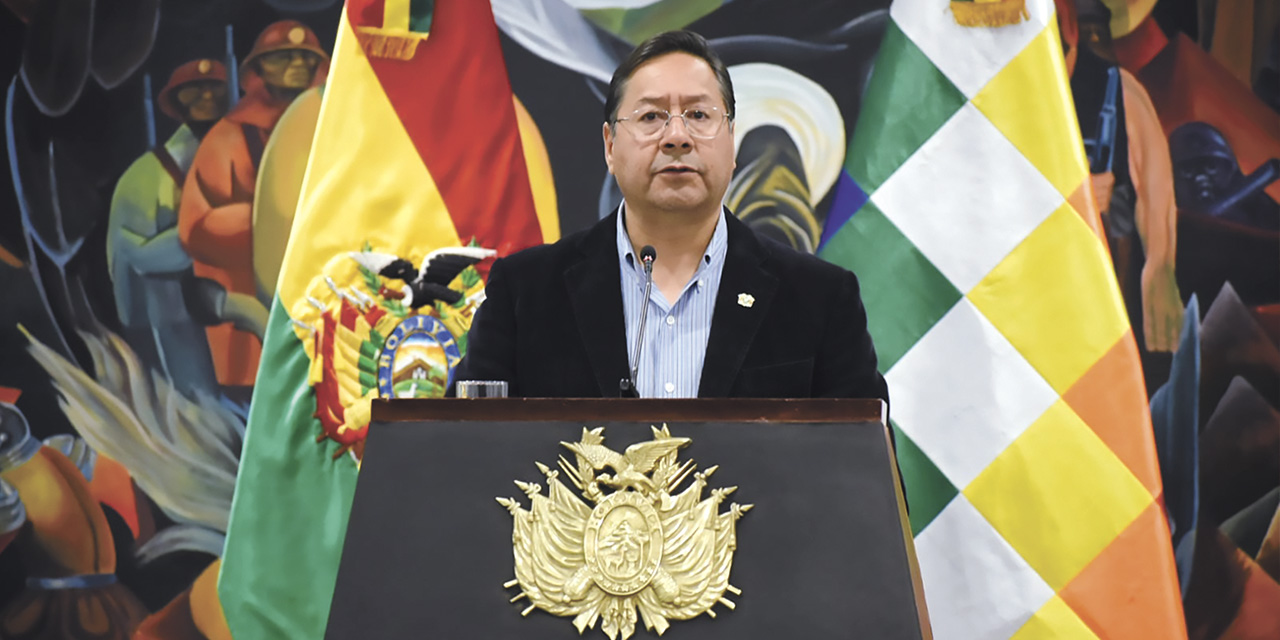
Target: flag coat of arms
(422,162)
(1018,401)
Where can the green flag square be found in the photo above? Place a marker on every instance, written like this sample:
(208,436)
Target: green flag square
(887,133)
(928,490)
(904,293)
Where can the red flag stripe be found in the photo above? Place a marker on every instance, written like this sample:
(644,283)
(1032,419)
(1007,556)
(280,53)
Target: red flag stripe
(455,103)
(371,13)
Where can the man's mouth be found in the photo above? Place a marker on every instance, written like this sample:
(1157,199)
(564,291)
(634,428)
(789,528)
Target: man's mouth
(677,169)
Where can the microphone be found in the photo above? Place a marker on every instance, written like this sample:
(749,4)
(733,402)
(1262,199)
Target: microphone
(627,386)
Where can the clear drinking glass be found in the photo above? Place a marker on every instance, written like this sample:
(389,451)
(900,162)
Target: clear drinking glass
(482,388)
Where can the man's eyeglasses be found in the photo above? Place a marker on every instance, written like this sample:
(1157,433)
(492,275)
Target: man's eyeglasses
(700,122)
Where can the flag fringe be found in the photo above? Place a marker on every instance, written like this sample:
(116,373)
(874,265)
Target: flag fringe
(394,45)
(989,14)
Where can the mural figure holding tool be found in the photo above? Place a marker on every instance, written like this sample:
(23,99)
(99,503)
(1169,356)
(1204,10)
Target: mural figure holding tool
(215,219)
(147,262)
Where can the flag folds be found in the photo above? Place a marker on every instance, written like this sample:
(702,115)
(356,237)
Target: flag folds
(1018,401)
(420,145)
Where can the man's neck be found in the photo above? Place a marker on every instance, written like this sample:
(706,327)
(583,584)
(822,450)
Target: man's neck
(680,239)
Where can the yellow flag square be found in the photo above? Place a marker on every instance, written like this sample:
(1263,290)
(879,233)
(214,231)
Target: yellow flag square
(1056,621)
(1058,495)
(1055,298)
(1029,102)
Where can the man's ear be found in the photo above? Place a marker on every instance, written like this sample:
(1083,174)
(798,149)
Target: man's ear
(607,133)
(735,146)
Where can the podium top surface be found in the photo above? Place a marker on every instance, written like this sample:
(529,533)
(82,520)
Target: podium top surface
(684,409)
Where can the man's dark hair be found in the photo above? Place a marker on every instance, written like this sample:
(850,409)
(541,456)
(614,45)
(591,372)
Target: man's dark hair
(681,41)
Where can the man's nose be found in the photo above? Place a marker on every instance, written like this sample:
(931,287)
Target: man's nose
(676,134)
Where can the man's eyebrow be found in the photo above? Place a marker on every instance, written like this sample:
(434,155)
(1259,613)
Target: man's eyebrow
(700,97)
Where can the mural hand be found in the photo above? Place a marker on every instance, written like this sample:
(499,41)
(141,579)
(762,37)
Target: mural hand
(1161,307)
(1102,184)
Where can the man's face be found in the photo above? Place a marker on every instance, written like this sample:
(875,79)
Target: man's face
(203,100)
(672,171)
(289,68)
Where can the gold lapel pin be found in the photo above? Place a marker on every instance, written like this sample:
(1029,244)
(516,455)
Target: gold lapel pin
(746,300)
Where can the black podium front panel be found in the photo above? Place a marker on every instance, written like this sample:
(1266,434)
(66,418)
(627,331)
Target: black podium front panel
(428,548)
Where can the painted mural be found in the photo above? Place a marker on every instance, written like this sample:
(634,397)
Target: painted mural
(154,151)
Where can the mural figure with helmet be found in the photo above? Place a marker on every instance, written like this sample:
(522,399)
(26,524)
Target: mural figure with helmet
(147,262)
(215,218)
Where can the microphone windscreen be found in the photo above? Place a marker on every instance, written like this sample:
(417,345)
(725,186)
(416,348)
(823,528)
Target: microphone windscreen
(648,253)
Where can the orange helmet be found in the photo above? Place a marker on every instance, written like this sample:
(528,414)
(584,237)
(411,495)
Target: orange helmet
(285,34)
(193,71)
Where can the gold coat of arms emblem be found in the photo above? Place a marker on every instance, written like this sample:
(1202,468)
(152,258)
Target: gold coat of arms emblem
(632,541)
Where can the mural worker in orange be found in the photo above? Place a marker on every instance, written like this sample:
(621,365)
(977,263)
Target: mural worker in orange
(215,218)
(1131,175)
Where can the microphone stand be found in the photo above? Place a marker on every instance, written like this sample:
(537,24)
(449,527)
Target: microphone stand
(627,386)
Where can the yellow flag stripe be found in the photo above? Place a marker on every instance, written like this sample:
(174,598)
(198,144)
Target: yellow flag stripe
(395,15)
(365,181)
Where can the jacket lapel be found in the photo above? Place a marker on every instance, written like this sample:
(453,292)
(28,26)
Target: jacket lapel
(734,326)
(596,298)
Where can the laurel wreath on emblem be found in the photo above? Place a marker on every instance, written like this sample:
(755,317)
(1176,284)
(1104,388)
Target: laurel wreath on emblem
(638,548)
(374,325)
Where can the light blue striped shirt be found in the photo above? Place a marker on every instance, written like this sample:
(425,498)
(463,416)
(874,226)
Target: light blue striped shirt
(675,343)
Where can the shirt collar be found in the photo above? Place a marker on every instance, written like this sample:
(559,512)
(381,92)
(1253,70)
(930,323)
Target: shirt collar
(715,252)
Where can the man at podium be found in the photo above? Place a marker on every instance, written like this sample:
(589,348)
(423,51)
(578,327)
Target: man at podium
(671,296)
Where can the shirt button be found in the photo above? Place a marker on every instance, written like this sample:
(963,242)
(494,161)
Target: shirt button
(669,387)
(671,320)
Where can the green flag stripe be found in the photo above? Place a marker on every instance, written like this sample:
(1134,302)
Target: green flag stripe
(292,500)
(887,133)
(904,293)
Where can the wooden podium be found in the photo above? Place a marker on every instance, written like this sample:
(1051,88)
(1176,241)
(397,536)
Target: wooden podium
(826,552)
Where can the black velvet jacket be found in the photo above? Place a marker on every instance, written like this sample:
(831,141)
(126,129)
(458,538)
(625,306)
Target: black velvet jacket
(552,325)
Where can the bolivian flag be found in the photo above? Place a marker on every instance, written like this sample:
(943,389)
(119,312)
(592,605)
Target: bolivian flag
(420,146)
(1018,402)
